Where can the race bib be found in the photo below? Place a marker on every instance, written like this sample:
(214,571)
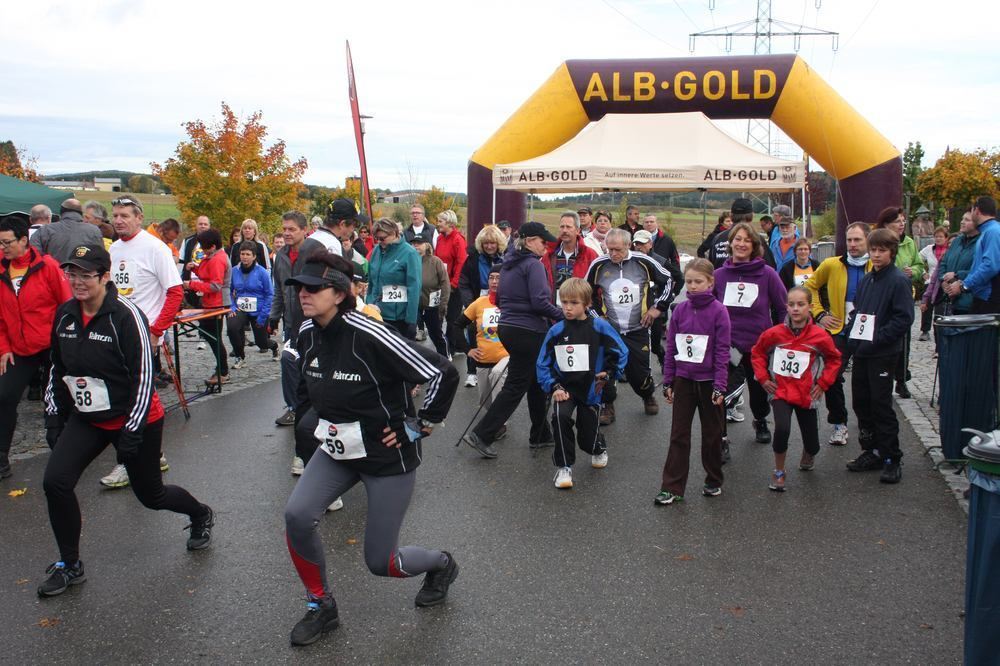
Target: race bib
(864,328)
(690,348)
(434,299)
(573,358)
(483,292)
(394,293)
(790,363)
(89,394)
(341,441)
(124,278)
(246,304)
(624,293)
(801,279)
(740,294)
(491,318)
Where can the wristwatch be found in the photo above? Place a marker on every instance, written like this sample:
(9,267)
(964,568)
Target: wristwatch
(424,423)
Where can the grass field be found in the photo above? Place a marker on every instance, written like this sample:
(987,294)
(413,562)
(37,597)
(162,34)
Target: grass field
(156,207)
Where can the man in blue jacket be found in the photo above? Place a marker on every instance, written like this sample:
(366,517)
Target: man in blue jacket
(782,242)
(983,280)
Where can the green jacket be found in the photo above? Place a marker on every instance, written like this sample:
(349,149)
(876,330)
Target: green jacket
(909,256)
(398,266)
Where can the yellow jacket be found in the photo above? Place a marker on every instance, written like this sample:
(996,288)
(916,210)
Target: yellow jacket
(832,274)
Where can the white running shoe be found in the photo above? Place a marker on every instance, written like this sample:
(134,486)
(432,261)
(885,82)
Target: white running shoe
(839,435)
(564,478)
(734,415)
(421,335)
(471,381)
(239,363)
(164,465)
(118,478)
(600,461)
(337,505)
(298,466)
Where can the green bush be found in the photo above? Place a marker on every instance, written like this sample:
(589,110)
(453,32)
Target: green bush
(825,224)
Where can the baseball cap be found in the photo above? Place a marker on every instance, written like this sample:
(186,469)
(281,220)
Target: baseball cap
(642,236)
(341,209)
(503,224)
(584,209)
(531,229)
(742,207)
(89,258)
(317,274)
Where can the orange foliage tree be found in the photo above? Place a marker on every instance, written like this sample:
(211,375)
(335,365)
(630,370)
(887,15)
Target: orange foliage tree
(15,163)
(958,178)
(436,200)
(225,171)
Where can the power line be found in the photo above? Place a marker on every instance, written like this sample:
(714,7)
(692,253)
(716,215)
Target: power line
(641,27)
(863,21)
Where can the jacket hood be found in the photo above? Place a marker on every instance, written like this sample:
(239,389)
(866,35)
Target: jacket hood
(753,267)
(519,257)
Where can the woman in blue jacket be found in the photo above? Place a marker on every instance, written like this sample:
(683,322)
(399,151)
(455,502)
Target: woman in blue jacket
(252,293)
(394,278)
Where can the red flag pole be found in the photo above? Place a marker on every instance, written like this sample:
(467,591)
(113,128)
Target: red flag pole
(359,133)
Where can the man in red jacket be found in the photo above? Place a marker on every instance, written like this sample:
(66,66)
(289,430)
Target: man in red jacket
(452,250)
(32,286)
(569,256)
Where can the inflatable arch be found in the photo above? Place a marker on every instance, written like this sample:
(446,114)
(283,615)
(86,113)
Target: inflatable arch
(780,87)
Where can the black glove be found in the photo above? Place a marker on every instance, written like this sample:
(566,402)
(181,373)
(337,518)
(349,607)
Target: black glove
(128,446)
(272,325)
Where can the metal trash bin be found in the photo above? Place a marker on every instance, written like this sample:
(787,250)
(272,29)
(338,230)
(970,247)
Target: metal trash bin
(982,585)
(967,367)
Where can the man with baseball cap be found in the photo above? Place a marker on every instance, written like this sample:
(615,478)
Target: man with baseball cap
(783,243)
(341,218)
(586,219)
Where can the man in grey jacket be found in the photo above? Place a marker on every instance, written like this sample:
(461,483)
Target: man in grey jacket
(60,238)
(288,262)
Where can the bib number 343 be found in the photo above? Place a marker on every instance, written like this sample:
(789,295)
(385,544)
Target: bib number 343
(341,441)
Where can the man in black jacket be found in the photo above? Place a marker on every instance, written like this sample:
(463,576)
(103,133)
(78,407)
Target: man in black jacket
(883,313)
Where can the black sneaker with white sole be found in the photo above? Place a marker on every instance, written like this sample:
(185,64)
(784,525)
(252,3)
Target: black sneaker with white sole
(60,578)
(201,530)
(286,419)
(436,583)
(321,617)
(892,471)
(866,462)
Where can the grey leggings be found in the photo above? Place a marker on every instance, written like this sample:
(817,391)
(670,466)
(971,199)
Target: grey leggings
(323,481)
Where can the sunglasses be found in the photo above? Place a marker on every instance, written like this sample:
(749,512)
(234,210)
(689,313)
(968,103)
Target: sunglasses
(313,288)
(127,201)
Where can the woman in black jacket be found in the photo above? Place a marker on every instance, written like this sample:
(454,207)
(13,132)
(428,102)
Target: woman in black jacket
(101,392)
(725,221)
(355,396)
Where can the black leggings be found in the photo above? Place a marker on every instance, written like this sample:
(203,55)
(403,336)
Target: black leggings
(238,337)
(432,317)
(21,370)
(808,426)
(587,437)
(523,345)
(79,444)
(323,481)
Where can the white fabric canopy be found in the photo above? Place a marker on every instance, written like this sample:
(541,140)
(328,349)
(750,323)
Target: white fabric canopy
(659,152)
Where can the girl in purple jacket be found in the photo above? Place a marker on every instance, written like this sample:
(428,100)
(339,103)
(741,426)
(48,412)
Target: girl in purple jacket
(756,299)
(694,379)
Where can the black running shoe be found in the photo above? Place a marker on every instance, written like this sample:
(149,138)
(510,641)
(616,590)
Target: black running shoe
(763,433)
(436,583)
(485,450)
(866,462)
(320,618)
(60,578)
(892,472)
(201,530)
(286,419)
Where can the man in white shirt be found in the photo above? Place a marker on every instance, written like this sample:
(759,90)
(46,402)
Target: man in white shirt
(341,218)
(144,272)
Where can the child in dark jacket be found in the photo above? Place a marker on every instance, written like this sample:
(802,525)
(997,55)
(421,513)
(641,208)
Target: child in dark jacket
(796,363)
(883,313)
(695,373)
(578,357)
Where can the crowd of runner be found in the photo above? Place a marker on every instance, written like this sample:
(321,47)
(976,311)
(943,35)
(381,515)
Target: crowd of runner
(87,304)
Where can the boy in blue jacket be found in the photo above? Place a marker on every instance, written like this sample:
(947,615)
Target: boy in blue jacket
(252,294)
(578,357)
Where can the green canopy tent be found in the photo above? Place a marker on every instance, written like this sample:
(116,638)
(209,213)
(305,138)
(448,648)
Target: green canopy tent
(18,196)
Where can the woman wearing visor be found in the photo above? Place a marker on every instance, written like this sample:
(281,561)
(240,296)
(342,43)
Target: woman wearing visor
(356,382)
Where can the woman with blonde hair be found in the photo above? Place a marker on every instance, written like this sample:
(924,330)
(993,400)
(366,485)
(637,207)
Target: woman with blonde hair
(249,231)
(473,282)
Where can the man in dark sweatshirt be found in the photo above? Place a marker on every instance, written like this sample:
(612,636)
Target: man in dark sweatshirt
(883,313)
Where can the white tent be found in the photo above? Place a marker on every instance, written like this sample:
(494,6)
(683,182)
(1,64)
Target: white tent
(658,152)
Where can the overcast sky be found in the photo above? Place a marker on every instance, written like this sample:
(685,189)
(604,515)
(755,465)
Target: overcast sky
(109,88)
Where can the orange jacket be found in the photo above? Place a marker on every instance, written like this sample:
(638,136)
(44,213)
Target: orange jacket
(774,357)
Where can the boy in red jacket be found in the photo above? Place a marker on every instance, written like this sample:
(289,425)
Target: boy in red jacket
(795,362)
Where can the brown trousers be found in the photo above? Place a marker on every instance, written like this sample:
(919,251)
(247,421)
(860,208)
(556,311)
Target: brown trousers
(689,397)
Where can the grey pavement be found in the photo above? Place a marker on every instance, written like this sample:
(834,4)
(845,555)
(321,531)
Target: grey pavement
(839,569)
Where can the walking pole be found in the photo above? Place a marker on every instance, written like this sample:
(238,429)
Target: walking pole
(481,403)
(177,380)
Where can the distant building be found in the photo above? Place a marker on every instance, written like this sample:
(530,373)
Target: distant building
(405,197)
(108,184)
(70,184)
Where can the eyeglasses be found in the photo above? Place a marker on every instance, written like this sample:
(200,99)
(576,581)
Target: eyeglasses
(127,201)
(380,238)
(313,288)
(73,276)
(8,243)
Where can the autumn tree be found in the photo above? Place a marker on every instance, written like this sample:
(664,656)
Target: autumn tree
(226,172)
(436,200)
(958,178)
(14,162)
(320,197)
(912,168)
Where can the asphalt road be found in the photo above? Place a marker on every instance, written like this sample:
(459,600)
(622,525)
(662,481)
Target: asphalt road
(839,569)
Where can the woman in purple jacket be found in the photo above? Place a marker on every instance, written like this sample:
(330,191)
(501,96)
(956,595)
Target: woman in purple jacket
(755,297)
(525,301)
(695,373)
